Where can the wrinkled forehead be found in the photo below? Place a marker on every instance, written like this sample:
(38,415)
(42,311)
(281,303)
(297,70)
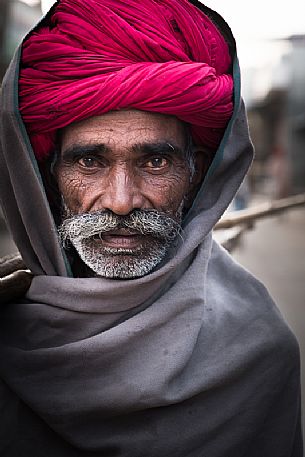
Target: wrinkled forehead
(123,128)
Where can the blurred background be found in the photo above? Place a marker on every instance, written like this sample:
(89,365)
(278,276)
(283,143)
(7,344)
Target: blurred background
(271,49)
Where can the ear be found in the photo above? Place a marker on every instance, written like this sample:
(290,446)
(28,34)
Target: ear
(202,160)
(48,173)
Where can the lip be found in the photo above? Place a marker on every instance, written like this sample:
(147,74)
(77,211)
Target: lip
(121,238)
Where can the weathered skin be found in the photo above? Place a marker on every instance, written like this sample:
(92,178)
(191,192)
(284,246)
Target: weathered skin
(122,174)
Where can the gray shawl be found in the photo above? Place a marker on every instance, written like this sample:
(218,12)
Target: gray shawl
(191,360)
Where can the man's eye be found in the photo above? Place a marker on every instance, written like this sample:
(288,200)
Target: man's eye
(88,162)
(157,163)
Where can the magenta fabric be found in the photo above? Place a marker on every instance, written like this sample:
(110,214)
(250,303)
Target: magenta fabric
(96,56)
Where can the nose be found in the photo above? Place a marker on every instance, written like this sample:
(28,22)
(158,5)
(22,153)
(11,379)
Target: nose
(122,194)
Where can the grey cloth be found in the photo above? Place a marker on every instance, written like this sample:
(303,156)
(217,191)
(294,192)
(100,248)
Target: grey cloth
(192,360)
(15,279)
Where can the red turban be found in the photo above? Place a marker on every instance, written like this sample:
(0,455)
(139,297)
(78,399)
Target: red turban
(96,56)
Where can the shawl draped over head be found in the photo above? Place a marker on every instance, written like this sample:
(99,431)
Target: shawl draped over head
(94,56)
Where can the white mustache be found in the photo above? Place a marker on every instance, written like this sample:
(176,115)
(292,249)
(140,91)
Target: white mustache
(146,222)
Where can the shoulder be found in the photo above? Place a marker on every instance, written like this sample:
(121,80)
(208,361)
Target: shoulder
(245,303)
(15,278)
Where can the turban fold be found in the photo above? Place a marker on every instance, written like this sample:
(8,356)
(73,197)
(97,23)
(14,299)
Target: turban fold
(95,56)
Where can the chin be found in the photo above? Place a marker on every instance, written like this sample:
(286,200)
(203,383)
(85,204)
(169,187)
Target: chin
(121,263)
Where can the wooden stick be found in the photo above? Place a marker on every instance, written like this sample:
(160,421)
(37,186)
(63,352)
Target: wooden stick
(250,215)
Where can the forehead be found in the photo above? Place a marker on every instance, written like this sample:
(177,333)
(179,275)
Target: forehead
(123,128)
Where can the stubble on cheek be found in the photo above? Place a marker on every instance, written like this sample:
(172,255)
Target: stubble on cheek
(74,189)
(170,191)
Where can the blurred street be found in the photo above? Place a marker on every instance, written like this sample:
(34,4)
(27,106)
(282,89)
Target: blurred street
(274,251)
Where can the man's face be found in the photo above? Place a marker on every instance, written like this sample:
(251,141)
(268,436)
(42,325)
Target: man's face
(124,177)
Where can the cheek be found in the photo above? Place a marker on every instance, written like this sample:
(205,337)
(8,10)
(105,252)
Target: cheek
(167,192)
(73,189)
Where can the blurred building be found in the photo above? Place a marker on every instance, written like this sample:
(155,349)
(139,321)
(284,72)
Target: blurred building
(275,98)
(296,111)
(16,19)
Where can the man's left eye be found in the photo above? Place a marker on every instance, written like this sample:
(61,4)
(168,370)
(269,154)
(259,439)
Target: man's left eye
(157,163)
(88,162)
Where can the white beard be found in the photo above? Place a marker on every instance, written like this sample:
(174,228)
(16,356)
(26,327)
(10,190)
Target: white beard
(120,263)
(83,231)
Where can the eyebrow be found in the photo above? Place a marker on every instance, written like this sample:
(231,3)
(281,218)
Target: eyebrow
(164,147)
(82,150)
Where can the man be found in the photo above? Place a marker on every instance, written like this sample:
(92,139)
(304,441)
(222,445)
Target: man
(123,141)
